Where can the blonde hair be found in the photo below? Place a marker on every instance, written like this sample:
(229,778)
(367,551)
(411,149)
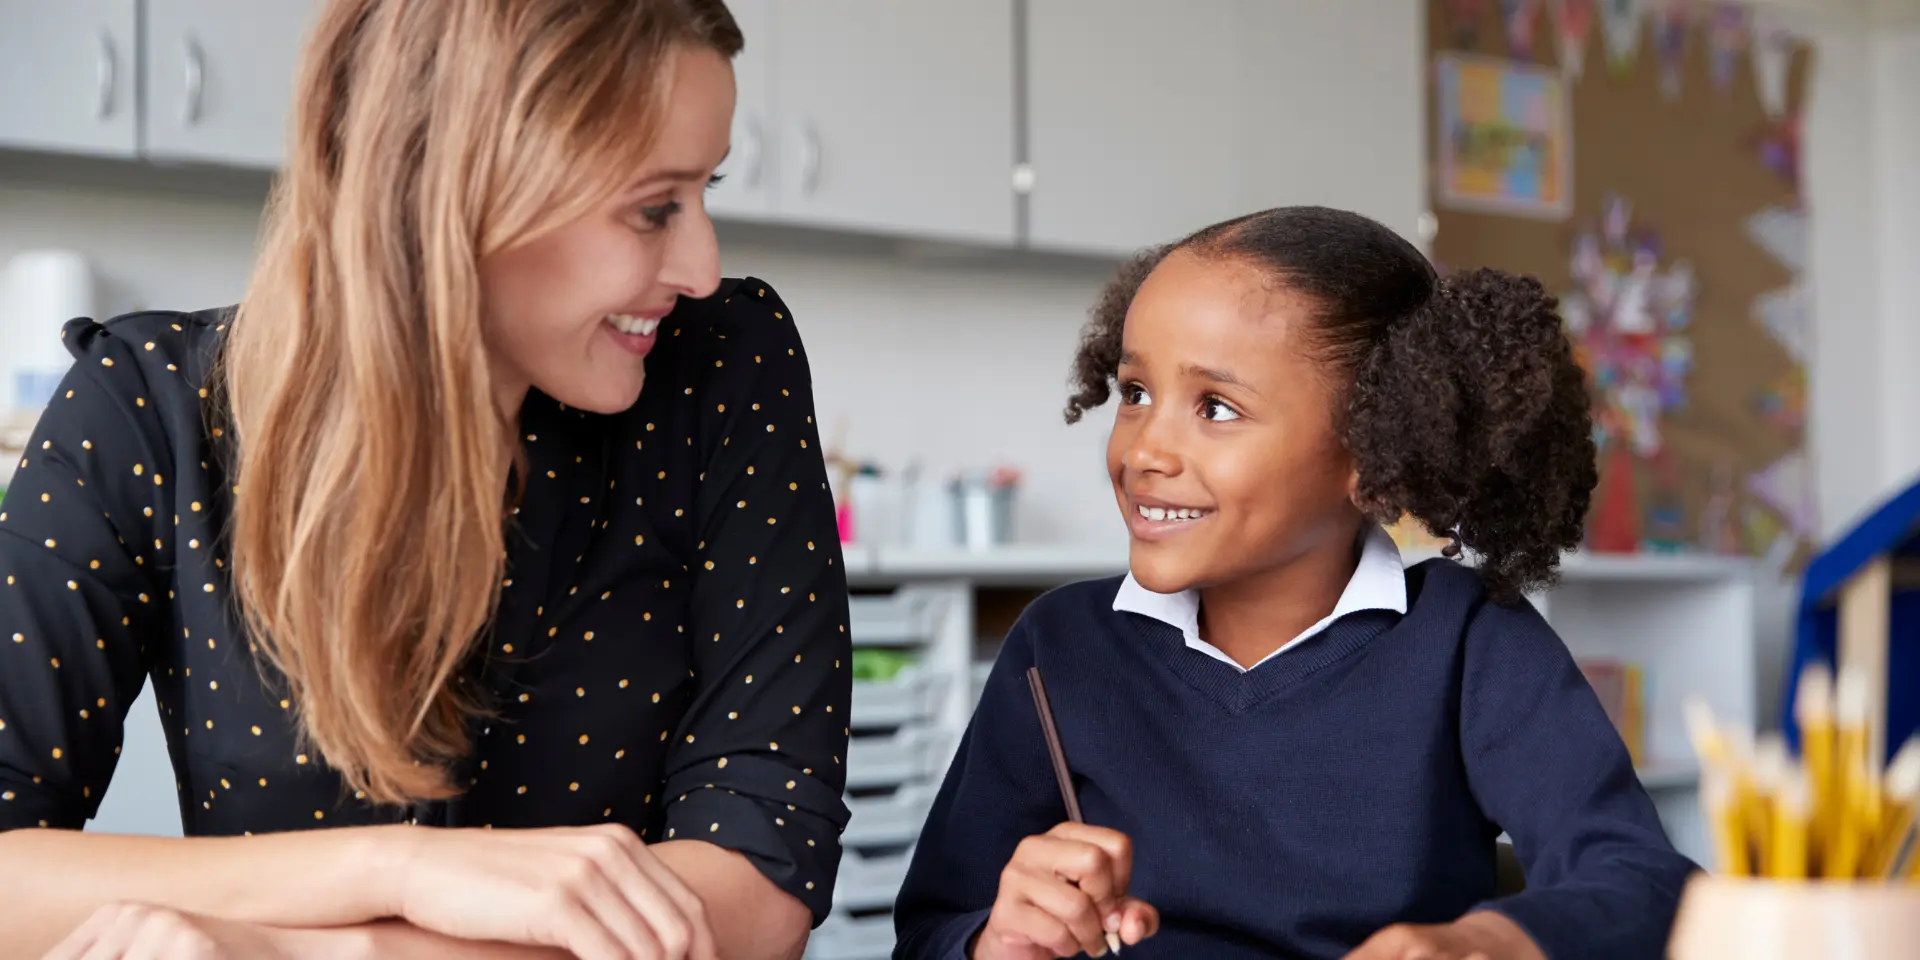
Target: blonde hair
(368,530)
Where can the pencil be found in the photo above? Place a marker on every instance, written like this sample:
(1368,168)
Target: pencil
(1729,837)
(1767,822)
(1813,710)
(1792,815)
(1061,773)
(1853,801)
(1902,792)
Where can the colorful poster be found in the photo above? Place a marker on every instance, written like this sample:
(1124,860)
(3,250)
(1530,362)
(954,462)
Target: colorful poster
(1504,138)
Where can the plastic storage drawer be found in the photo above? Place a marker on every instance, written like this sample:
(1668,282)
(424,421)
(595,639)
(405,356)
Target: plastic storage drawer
(909,753)
(892,820)
(911,696)
(870,882)
(840,937)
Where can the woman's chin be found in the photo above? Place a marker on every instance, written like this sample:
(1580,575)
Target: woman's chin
(599,393)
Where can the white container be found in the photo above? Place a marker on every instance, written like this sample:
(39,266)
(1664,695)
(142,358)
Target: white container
(889,821)
(40,291)
(841,937)
(911,696)
(909,753)
(869,883)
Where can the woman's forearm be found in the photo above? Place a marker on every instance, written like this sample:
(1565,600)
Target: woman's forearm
(751,918)
(51,880)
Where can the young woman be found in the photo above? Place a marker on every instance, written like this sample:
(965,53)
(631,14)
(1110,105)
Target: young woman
(402,543)
(1284,742)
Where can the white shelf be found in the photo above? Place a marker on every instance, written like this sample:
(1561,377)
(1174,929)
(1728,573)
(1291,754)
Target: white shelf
(1669,775)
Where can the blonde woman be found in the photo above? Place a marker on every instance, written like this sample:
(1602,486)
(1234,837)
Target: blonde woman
(408,553)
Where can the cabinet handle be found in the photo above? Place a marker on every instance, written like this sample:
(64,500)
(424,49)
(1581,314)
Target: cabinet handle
(196,83)
(809,159)
(106,73)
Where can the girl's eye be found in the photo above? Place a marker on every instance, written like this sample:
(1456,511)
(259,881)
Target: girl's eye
(1134,395)
(657,215)
(1216,409)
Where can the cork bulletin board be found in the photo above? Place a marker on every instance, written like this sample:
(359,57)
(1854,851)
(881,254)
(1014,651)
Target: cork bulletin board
(1642,161)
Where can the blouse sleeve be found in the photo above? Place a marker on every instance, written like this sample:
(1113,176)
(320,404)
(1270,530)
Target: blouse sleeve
(759,763)
(75,600)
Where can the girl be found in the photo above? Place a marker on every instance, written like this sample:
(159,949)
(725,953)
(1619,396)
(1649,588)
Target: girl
(1290,745)
(403,544)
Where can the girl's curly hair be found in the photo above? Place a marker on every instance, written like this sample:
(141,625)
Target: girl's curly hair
(1464,406)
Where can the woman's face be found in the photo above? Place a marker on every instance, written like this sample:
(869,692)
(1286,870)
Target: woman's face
(574,313)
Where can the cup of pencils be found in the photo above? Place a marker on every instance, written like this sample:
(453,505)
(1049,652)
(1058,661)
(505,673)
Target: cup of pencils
(1815,854)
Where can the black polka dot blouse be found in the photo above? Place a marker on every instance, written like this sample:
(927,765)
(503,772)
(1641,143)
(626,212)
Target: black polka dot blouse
(670,651)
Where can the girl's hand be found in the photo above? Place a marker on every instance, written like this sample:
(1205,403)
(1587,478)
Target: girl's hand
(132,931)
(1060,896)
(1482,935)
(596,892)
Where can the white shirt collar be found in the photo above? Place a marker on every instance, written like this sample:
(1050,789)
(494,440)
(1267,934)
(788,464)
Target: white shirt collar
(1379,582)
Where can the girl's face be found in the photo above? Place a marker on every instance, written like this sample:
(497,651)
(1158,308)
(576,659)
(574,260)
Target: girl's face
(575,312)
(1224,455)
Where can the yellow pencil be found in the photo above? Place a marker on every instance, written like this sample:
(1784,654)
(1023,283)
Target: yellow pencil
(1729,838)
(1761,802)
(1852,805)
(1813,711)
(1792,817)
(1901,787)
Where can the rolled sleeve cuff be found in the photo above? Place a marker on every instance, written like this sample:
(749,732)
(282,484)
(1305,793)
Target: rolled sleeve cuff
(947,939)
(786,824)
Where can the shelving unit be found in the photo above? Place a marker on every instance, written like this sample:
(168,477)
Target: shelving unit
(1686,620)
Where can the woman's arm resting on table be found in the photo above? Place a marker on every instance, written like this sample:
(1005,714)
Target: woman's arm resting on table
(752,919)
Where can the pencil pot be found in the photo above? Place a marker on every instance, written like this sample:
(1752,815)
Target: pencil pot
(1752,919)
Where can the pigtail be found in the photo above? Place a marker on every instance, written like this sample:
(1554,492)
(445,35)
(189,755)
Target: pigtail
(1472,416)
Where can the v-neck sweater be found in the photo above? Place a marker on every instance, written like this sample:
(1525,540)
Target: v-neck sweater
(1296,808)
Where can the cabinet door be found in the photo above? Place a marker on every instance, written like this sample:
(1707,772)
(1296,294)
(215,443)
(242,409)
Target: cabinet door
(1336,107)
(219,78)
(896,117)
(1134,112)
(67,76)
(747,190)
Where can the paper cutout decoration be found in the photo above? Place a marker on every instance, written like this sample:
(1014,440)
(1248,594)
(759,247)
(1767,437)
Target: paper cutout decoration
(1620,27)
(1464,18)
(1726,40)
(1779,146)
(1670,46)
(1782,232)
(1771,50)
(1783,314)
(1520,20)
(1784,486)
(1573,21)
(1783,403)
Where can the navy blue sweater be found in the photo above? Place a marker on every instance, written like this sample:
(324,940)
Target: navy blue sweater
(1356,781)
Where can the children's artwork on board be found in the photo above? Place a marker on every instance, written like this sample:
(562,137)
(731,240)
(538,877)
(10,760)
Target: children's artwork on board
(1628,314)
(1505,138)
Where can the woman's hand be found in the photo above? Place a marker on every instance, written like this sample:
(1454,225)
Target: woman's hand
(133,931)
(1482,935)
(1060,896)
(596,892)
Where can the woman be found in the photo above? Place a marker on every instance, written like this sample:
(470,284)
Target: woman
(402,543)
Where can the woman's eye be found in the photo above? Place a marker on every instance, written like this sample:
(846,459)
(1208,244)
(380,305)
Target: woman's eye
(658,214)
(1134,395)
(1216,409)
(716,180)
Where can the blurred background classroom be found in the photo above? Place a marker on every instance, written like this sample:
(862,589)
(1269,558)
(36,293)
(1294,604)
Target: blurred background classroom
(1726,195)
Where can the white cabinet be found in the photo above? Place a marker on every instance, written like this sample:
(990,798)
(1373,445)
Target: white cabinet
(1333,106)
(895,117)
(1134,112)
(746,189)
(67,76)
(218,76)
